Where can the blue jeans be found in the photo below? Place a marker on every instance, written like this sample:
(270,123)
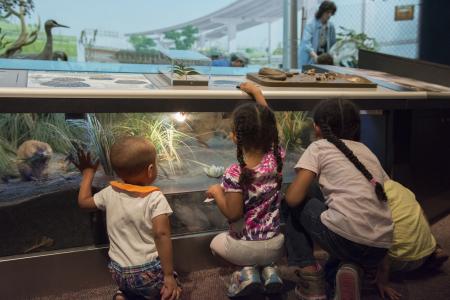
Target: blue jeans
(304,226)
(139,282)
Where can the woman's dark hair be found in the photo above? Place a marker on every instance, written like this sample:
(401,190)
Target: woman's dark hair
(255,128)
(324,7)
(339,119)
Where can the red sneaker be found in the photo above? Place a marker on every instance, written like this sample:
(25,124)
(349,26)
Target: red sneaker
(348,283)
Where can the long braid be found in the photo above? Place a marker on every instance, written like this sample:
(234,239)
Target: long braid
(246,176)
(276,151)
(255,128)
(328,134)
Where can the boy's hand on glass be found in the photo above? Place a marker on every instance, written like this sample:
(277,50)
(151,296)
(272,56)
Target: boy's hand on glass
(250,88)
(84,162)
(214,190)
(170,289)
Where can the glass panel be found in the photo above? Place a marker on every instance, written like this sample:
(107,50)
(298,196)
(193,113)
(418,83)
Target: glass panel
(38,191)
(390,27)
(232,33)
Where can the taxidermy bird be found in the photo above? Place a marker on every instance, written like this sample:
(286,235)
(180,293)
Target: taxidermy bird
(33,157)
(47,53)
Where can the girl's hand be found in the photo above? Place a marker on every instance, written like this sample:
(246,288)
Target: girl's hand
(387,292)
(85,162)
(170,290)
(255,92)
(214,190)
(250,88)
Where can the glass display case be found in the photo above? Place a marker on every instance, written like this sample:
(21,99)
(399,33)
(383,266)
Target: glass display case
(186,68)
(44,114)
(38,192)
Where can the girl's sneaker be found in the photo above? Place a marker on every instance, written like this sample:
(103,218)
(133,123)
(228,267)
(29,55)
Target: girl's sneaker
(119,295)
(245,282)
(272,282)
(311,285)
(348,283)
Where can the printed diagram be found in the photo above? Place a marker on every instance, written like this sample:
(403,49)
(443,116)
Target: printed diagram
(43,79)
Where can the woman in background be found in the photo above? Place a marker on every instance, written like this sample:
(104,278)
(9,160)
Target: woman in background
(319,34)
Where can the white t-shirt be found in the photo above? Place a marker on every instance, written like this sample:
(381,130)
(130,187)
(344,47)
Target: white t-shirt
(129,224)
(354,211)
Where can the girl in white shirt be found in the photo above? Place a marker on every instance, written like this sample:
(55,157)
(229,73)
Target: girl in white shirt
(354,223)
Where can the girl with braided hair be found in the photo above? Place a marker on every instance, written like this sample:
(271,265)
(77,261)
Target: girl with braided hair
(354,223)
(249,197)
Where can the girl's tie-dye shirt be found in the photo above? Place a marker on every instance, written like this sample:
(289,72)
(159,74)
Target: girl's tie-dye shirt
(262,200)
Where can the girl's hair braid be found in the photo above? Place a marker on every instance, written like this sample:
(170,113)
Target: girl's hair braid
(255,128)
(276,151)
(246,176)
(334,112)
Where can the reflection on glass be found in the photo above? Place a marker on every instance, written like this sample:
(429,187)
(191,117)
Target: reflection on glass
(231,33)
(38,192)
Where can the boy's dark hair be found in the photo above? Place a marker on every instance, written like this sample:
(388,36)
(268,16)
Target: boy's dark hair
(255,127)
(130,155)
(339,119)
(324,7)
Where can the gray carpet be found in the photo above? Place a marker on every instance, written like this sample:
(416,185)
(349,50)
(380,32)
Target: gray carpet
(211,284)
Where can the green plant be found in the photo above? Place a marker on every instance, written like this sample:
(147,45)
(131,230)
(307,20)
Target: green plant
(101,130)
(3,41)
(184,39)
(18,128)
(348,42)
(9,7)
(295,128)
(362,40)
(182,70)
(162,133)
(7,158)
(15,128)
(50,128)
(99,137)
(141,42)
(56,131)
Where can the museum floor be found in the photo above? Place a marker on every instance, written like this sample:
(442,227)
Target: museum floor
(211,284)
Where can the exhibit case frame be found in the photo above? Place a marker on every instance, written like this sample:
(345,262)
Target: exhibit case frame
(65,268)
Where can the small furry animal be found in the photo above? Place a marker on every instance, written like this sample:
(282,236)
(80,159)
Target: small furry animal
(33,157)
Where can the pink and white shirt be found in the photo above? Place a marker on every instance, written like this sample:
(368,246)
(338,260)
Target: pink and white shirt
(262,199)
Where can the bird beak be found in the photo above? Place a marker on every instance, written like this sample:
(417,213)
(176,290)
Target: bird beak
(60,25)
